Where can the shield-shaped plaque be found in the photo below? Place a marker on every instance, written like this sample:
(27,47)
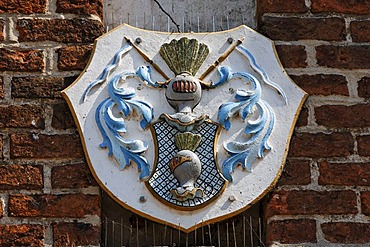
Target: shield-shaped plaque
(185,128)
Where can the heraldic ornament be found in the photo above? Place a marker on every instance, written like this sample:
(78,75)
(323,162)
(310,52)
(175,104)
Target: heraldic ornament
(197,124)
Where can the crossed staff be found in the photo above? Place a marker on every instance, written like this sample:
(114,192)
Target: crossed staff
(207,72)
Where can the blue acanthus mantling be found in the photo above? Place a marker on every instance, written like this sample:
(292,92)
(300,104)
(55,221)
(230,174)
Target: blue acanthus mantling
(124,151)
(248,102)
(113,125)
(123,98)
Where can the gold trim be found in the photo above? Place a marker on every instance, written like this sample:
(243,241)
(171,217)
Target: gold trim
(182,208)
(177,161)
(203,223)
(187,193)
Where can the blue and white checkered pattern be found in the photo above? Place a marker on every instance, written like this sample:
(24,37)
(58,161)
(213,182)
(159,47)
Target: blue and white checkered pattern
(163,181)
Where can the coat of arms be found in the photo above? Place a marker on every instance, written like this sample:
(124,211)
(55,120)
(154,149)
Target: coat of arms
(185,128)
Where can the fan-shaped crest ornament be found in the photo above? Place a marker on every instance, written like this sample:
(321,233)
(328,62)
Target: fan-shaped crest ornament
(185,128)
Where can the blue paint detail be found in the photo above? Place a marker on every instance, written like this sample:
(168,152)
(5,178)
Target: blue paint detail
(261,72)
(111,125)
(120,95)
(225,75)
(145,109)
(258,130)
(106,141)
(144,73)
(245,100)
(227,110)
(269,130)
(116,61)
(229,164)
(123,98)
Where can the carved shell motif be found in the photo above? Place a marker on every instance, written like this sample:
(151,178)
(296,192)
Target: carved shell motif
(184,55)
(187,141)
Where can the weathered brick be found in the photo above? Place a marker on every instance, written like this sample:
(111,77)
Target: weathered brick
(74,57)
(21,177)
(365,202)
(1,30)
(59,30)
(364,87)
(81,7)
(72,176)
(75,234)
(45,146)
(321,145)
(321,84)
(291,231)
(67,205)
(1,146)
(284,28)
(1,87)
(360,31)
(62,117)
(21,60)
(23,6)
(21,116)
(282,6)
(311,202)
(346,232)
(344,57)
(340,6)
(39,87)
(350,116)
(296,172)
(22,235)
(302,118)
(344,174)
(292,56)
(363,143)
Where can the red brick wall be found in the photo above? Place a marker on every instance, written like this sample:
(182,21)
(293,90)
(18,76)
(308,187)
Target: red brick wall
(47,193)
(323,196)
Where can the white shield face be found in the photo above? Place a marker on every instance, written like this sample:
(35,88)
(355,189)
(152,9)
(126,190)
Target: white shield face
(185,129)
